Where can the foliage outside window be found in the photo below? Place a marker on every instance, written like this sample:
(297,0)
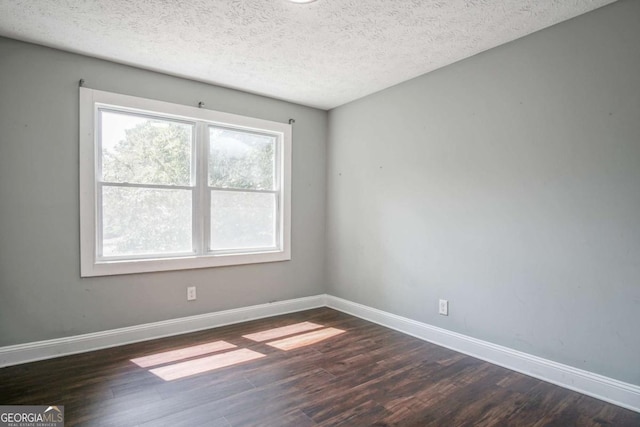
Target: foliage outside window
(165,186)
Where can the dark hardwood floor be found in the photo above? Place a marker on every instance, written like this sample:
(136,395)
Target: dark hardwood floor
(326,368)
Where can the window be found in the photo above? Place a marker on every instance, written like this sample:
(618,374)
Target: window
(169,187)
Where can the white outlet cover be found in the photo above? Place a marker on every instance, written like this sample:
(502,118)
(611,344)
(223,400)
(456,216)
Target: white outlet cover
(191,293)
(443,307)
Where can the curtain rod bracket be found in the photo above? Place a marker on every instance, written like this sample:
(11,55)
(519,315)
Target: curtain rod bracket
(292,121)
(81,83)
(200,104)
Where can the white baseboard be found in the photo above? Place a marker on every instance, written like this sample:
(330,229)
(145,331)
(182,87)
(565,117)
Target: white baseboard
(40,350)
(598,386)
(594,385)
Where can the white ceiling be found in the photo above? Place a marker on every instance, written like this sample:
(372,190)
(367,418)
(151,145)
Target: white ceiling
(322,54)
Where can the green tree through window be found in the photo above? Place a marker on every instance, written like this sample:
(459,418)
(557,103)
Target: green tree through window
(140,220)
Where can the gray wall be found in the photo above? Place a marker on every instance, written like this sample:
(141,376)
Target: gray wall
(41,293)
(509,184)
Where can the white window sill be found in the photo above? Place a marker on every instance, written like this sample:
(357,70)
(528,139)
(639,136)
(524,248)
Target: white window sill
(112,268)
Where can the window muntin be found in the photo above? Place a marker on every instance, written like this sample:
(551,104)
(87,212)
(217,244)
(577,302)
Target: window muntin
(174,187)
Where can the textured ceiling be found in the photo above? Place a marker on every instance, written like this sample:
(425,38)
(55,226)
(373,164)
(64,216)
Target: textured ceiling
(321,54)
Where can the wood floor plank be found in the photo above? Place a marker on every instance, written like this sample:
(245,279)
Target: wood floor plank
(365,375)
(269,417)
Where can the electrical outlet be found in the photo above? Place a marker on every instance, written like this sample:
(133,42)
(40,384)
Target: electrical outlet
(443,307)
(191,293)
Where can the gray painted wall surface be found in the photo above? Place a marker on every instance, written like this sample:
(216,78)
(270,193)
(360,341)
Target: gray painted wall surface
(41,293)
(509,184)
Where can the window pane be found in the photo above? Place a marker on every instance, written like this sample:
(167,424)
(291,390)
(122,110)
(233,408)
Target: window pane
(143,150)
(241,159)
(138,221)
(242,220)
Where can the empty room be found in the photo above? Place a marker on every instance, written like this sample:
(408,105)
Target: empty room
(319,213)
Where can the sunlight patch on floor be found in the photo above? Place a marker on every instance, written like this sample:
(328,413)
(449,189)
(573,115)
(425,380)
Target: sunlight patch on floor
(302,340)
(283,331)
(205,364)
(181,354)
(184,362)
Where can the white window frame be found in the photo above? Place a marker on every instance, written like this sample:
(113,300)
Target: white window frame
(91,264)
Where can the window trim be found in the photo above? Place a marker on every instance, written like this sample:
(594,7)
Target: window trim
(90,101)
